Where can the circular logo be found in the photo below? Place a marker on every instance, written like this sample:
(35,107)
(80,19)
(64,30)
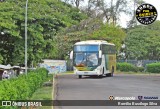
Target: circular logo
(146,14)
(140,97)
(111,98)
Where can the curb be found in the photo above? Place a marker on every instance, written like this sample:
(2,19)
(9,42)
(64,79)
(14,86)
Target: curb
(141,74)
(55,91)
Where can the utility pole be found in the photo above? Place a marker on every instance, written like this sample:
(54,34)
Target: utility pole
(26,36)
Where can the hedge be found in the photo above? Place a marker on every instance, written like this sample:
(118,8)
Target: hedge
(126,67)
(140,69)
(23,87)
(153,67)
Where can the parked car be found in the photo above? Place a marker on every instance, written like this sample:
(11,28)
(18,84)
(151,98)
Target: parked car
(6,72)
(5,75)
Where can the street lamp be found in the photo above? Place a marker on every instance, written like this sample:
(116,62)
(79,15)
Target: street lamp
(26,36)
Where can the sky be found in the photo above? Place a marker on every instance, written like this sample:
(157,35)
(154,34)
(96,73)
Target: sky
(125,18)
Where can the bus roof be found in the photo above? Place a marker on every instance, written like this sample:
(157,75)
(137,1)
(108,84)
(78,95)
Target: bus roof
(91,42)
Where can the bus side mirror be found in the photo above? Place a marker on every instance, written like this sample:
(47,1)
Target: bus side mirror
(100,54)
(71,55)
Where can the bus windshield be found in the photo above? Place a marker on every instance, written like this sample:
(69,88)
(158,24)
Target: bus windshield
(86,55)
(86,48)
(86,59)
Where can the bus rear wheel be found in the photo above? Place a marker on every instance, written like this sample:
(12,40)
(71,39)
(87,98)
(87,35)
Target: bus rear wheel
(112,71)
(79,76)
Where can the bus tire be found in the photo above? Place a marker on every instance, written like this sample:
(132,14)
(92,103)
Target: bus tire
(101,76)
(79,76)
(111,74)
(103,71)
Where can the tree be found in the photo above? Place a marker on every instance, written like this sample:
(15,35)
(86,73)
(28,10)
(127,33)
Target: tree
(1,59)
(74,2)
(143,42)
(133,21)
(89,29)
(45,20)
(108,11)
(110,33)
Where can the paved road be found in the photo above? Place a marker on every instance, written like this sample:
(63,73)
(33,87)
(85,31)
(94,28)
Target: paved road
(69,87)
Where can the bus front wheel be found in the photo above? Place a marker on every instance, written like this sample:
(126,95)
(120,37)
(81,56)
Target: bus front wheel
(79,76)
(101,76)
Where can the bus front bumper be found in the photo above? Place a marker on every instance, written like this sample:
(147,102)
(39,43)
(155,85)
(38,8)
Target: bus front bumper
(87,73)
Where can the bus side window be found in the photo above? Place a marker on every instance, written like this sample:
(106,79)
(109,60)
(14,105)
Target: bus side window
(103,49)
(108,49)
(112,50)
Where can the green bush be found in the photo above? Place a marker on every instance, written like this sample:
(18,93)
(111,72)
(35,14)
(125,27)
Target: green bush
(126,67)
(153,67)
(22,87)
(140,69)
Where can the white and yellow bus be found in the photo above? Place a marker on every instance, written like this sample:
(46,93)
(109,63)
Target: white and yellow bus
(93,57)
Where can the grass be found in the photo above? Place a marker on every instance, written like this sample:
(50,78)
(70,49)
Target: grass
(138,73)
(119,72)
(67,72)
(44,93)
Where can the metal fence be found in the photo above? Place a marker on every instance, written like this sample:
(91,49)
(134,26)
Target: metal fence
(139,63)
(69,65)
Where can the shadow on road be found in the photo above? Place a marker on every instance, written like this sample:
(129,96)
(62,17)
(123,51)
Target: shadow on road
(95,77)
